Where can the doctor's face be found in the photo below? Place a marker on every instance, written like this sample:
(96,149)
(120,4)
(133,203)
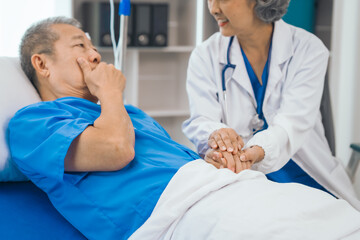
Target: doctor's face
(234,17)
(66,77)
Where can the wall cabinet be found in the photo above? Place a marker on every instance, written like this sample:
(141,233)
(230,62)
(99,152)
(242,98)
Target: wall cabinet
(156,76)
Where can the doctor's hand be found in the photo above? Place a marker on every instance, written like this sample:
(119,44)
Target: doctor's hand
(103,79)
(226,139)
(253,153)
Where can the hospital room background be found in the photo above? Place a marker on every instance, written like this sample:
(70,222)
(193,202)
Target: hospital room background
(156,73)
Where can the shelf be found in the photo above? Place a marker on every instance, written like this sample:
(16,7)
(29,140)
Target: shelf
(170,49)
(168,113)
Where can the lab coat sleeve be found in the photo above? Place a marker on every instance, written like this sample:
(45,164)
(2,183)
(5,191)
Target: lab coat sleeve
(205,109)
(299,108)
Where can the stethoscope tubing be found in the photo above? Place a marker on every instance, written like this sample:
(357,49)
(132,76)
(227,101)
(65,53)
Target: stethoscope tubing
(228,65)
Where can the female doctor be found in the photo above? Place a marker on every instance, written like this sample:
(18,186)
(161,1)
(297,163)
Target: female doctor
(254,90)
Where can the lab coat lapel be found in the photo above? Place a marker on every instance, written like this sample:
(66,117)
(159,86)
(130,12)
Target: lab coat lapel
(282,51)
(239,74)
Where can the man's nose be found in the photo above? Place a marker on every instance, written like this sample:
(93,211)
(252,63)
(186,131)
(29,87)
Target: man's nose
(94,56)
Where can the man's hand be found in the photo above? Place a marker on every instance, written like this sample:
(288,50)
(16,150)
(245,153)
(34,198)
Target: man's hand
(228,160)
(108,144)
(215,158)
(104,79)
(226,139)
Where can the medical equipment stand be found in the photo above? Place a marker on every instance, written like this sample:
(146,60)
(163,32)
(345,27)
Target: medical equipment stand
(124,12)
(354,161)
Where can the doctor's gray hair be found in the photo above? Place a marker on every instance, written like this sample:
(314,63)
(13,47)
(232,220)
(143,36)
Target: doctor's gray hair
(271,10)
(40,39)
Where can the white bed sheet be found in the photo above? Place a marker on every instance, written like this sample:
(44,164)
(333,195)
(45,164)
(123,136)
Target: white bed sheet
(202,202)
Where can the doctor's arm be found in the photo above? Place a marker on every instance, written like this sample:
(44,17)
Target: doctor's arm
(108,145)
(205,108)
(204,127)
(299,108)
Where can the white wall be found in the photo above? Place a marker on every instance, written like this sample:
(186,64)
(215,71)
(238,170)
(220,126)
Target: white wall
(17,16)
(345,75)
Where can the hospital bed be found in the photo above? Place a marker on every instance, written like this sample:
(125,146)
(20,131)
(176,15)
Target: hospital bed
(25,211)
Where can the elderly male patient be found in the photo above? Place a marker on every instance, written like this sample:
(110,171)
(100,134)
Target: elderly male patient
(58,141)
(104,167)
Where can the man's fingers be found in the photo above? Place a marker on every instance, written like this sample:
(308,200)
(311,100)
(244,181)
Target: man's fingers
(214,158)
(212,162)
(238,164)
(217,156)
(84,65)
(224,162)
(230,161)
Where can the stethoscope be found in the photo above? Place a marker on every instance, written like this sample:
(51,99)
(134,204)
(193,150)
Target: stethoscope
(226,67)
(256,123)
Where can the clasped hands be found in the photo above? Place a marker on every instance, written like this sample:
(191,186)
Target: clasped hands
(226,151)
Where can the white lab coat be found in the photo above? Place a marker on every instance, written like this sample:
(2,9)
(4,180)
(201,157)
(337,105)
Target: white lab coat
(291,104)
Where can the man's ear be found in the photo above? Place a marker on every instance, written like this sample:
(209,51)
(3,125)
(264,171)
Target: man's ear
(39,62)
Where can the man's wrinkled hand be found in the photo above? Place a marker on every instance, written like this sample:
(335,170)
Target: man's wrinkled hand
(224,159)
(103,79)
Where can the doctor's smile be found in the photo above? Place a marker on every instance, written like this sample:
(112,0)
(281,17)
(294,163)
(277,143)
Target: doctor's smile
(223,22)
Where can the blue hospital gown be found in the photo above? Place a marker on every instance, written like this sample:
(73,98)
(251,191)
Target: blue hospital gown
(102,205)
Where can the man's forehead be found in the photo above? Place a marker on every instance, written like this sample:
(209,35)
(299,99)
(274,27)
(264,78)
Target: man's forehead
(69,32)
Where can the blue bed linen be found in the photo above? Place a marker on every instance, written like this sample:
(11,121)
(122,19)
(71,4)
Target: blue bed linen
(291,172)
(27,214)
(102,205)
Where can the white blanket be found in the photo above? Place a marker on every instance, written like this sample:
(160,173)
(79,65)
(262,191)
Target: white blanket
(202,202)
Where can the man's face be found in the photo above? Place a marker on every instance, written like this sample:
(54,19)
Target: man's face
(66,77)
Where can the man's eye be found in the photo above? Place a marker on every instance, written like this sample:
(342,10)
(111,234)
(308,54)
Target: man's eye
(80,45)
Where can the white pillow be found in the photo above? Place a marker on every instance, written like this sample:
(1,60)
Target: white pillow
(16,92)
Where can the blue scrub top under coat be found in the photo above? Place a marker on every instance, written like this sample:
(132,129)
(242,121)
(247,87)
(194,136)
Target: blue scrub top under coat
(291,172)
(102,205)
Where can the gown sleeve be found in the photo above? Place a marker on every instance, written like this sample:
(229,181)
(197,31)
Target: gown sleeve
(40,136)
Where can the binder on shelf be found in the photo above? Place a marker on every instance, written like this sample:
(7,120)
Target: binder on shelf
(105,35)
(159,21)
(96,21)
(147,23)
(142,24)
(90,19)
